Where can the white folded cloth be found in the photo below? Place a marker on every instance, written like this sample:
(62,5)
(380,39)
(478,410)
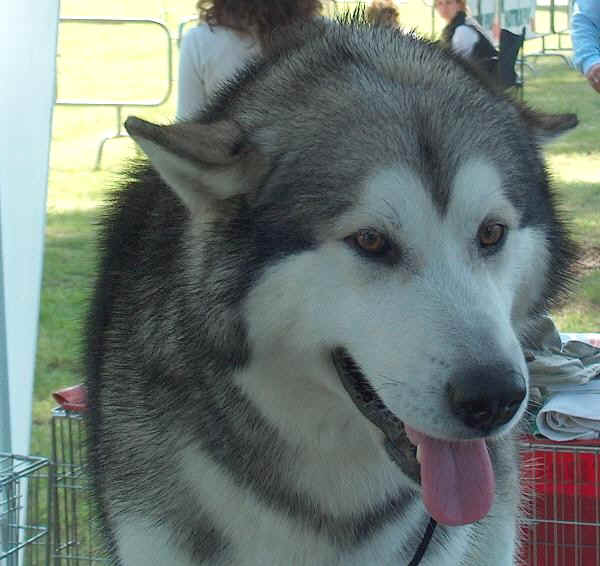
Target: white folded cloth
(566,370)
(571,412)
(554,358)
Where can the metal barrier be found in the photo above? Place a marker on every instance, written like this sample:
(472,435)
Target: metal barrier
(119,104)
(553,8)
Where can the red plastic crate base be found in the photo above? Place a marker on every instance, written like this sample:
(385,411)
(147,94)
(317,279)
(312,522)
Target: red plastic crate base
(563,484)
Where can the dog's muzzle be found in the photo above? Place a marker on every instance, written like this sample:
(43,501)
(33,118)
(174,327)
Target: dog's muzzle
(456,475)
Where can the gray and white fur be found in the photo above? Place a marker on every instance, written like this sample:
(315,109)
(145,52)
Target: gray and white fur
(230,278)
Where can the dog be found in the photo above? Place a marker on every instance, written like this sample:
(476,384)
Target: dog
(304,345)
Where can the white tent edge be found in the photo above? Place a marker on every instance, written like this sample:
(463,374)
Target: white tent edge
(28,39)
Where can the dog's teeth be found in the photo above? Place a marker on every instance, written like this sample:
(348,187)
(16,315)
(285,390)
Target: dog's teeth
(419,453)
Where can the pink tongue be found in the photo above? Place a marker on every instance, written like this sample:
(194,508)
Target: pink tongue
(456,477)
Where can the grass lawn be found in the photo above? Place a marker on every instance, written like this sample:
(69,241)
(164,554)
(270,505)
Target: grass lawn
(92,64)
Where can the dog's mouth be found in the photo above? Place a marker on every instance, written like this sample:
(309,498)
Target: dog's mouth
(456,477)
(397,444)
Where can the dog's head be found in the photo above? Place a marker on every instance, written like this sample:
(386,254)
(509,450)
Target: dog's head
(381,223)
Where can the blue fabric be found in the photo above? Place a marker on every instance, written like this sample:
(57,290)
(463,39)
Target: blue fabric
(585,33)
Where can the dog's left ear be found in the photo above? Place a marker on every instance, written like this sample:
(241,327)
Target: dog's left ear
(201,162)
(547,127)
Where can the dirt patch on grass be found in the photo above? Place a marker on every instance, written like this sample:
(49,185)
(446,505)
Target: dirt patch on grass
(589,259)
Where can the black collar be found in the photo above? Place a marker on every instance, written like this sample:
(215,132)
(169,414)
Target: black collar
(424,543)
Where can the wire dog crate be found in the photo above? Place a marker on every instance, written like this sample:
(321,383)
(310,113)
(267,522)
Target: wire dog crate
(24,503)
(563,479)
(75,541)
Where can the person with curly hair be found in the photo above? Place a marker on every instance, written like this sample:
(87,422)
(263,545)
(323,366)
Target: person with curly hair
(231,33)
(383,13)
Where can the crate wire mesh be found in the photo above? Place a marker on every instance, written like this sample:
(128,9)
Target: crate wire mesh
(563,481)
(75,540)
(24,503)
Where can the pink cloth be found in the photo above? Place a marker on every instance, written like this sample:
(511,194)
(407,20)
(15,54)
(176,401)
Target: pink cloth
(72,398)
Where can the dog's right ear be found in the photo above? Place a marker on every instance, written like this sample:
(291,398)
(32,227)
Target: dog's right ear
(201,162)
(547,127)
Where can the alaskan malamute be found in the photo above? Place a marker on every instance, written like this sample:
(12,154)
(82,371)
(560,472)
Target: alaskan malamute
(304,346)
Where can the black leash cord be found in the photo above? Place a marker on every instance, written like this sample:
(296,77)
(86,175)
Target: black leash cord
(424,543)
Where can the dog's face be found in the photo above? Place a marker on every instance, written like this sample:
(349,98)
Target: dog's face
(415,296)
(409,310)
(392,267)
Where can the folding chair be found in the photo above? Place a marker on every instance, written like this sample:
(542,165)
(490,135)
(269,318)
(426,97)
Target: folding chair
(510,45)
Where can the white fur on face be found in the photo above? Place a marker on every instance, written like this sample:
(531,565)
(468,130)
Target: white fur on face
(293,315)
(144,543)
(409,326)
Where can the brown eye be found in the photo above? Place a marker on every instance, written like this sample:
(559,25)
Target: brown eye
(371,241)
(491,234)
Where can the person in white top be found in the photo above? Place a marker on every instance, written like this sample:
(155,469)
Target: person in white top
(233,33)
(465,36)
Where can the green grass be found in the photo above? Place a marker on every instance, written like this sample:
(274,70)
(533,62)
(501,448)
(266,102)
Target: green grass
(121,63)
(574,161)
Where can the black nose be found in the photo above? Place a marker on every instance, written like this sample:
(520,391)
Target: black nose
(486,397)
